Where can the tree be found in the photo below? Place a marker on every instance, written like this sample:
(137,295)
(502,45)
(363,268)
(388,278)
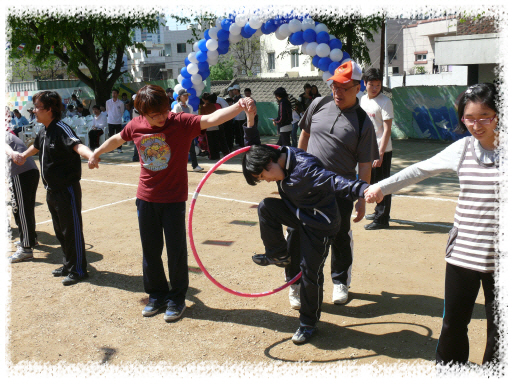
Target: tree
(95,39)
(197,24)
(247,55)
(223,70)
(353,30)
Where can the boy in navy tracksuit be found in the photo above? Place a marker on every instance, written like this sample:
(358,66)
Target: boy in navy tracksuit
(308,203)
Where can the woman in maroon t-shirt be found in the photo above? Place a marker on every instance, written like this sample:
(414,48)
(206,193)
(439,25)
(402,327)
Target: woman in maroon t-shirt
(163,140)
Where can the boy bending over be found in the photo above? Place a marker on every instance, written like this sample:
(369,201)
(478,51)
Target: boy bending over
(308,204)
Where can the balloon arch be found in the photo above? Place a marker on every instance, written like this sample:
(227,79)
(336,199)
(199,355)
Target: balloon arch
(313,37)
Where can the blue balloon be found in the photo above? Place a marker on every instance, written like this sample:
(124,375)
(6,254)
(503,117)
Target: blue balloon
(250,31)
(187,83)
(224,44)
(245,34)
(173,104)
(206,34)
(187,62)
(203,66)
(309,35)
(335,44)
(205,74)
(193,100)
(322,37)
(225,24)
(201,56)
(192,92)
(185,73)
(223,50)
(264,29)
(202,45)
(345,56)
(324,63)
(297,38)
(315,60)
(222,35)
(270,26)
(363,87)
(175,96)
(333,66)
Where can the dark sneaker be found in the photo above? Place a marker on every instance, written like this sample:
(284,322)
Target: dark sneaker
(152,308)
(60,272)
(303,335)
(264,260)
(74,278)
(174,312)
(373,226)
(22,254)
(370,217)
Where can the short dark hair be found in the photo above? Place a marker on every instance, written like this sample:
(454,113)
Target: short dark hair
(116,90)
(73,96)
(71,107)
(124,94)
(256,160)
(281,92)
(169,90)
(247,90)
(150,99)
(372,74)
(50,100)
(229,100)
(485,93)
(307,85)
(15,111)
(96,106)
(212,98)
(79,105)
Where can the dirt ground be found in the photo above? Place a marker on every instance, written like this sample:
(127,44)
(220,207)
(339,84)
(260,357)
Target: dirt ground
(393,314)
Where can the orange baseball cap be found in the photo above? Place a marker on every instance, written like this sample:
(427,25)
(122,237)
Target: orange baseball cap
(346,72)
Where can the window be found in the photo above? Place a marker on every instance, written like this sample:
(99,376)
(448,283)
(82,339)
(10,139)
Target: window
(271,61)
(295,58)
(149,52)
(182,47)
(391,52)
(421,57)
(396,70)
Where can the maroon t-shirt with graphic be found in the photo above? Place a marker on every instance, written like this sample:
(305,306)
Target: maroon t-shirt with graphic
(163,154)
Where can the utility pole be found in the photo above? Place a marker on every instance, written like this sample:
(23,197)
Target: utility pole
(386,60)
(382,44)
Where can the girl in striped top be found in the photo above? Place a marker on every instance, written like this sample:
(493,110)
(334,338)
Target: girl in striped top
(470,254)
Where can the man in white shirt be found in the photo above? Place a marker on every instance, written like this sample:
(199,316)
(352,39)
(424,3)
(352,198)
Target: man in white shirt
(115,110)
(97,129)
(380,111)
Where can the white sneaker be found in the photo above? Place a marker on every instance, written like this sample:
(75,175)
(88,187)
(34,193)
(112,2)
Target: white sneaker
(339,294)
(198,169)
(21,254)
(294,296)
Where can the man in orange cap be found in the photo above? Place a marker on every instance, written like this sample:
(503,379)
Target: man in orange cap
(337,131)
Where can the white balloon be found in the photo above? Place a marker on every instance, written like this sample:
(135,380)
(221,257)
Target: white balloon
(234,38)
(344,61)
(192,57)
(195,47)
(177,88)
(198,87)
(321,28)
(241,20)
(303,47)
(213,32)
(331,37)
(212,60)
(180,78)
(213,54)
(255,22)
(323,50)
(336,54)
(196,78)
(311,48)
(308,24)
(218,22)
(212,44)
(295,25)
(234,29)
(279,36)
(258,33)
(192,68)
(284,30)
(326,75)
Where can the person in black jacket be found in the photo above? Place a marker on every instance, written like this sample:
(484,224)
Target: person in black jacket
(59,155)
(284,119)
(308,204)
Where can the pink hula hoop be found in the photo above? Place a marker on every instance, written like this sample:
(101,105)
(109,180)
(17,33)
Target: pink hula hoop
(191,236)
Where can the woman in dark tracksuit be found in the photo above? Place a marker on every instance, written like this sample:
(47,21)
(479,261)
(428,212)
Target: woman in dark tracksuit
(284,119)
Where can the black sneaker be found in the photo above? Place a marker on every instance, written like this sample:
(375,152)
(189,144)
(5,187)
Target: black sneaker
(174,312)
(60,272)
(374,225)
(152,308)
(74,278)
(303,335)
(370,217)
(264,260)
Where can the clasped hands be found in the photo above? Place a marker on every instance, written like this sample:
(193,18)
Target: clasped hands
(18,158)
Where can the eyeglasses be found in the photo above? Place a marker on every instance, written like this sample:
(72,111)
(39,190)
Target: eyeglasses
(341,89)
(471,122)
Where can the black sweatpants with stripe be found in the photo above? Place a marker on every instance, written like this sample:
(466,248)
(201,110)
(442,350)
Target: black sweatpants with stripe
(314,248)
(24,188)
(65,206)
